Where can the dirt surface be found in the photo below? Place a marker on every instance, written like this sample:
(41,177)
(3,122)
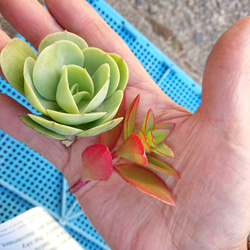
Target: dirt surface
(184,30)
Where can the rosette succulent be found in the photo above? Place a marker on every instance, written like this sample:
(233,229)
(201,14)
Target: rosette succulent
(76,88)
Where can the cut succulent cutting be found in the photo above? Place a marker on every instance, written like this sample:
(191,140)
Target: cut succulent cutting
(76,88)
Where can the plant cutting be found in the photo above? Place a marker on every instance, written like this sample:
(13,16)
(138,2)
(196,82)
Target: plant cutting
(76,88)
(80,91)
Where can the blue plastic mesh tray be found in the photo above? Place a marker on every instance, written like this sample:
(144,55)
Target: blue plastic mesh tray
(28,180)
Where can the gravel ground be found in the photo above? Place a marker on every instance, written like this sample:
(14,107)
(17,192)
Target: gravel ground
(184,30)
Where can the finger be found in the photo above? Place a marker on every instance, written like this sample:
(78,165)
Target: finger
(226,88)
(4,39)
(29,18)
(80,18)
(10,123)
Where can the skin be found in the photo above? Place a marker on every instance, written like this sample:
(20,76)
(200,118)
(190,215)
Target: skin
(212,146)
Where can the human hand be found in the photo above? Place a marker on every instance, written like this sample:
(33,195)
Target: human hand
(211,146)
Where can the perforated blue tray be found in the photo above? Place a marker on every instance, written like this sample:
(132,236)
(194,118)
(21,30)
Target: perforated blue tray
(28,180)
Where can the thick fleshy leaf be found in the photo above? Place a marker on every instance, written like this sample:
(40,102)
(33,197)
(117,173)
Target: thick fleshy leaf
(38,102)
(163,150)
(100,77)
(96,163)
(123,68)
(40,129)
(169,126)
(96,100)
(54,126)
(74,119)
(12,61)
(129,121)
(48,66)
(149,122)
(94,58)
(151,141)
(110,106)
(144,139)
(65,35)
(161,166)
(145,181)
(111,137)
(78,75)
(160,134)
(101,128)
(133,150)
(64,97)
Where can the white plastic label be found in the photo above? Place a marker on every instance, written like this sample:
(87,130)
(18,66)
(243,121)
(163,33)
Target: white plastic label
(35,229)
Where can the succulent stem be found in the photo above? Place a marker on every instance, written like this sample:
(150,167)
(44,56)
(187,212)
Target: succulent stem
(77,186)
(69,140)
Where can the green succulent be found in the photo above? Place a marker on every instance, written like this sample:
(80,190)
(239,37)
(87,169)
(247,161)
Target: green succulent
(76,88)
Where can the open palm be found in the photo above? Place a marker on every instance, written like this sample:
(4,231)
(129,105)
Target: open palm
(212,146)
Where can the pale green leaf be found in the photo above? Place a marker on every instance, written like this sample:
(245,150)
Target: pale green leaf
(74,119)
(37,101)
(96,101)
(124,72)
(94,58)
(49,64)
(80,76)
(111,106)
(54,126)
(100,77)
(40,129)
(101,128)
(64,97)
(63,35)
(12,61)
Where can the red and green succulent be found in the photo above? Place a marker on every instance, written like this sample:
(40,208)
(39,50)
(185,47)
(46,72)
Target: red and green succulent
(142,151)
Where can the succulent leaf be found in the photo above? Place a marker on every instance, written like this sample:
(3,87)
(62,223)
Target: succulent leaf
(145,181)
(163,150)
(151,140)
(38,102)
(133,150)
(64,97)
(79,80)
(144,139)
(77,89)
(94,58)
(101,76)
(129,120)
(74,119)
(161,166)
(101,128)
(57,36)
(96,163)
(123,68)
(51,60)
(169,126)
(149,122)
(110,106)
(54,126)
(111,137)
(97,100)
(160,134)
(40,129)
(12,61)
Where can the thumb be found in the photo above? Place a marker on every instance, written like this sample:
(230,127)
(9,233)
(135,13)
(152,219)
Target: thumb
(226,86)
